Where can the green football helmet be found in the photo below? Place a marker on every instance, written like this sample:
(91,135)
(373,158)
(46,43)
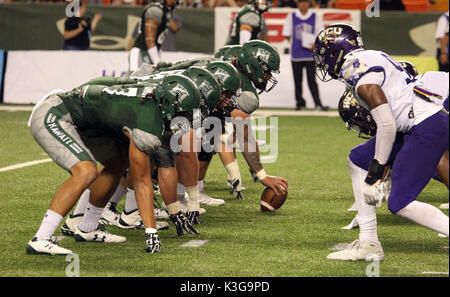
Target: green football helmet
(258,59)
(232,52)
(227,76)
(221,51)
(207,84)
(177,93)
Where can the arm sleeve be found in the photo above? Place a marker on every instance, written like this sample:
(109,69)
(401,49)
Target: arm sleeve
(244,36)
(441,28)
(386,131)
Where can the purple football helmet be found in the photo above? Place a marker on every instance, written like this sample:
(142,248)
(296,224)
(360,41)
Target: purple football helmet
(355,116)
(331,46)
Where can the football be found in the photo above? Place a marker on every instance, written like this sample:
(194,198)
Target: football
(270,201)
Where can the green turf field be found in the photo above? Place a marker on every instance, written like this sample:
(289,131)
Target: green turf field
(242,241)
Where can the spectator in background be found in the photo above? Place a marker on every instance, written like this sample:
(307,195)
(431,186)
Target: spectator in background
(169,44)
(287,3)
(301,28)
(78,29)
(442,42)
(323,3)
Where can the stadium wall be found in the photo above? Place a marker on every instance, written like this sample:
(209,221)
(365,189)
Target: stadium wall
(40,27)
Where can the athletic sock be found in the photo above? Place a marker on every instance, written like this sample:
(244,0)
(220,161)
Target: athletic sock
(194,196)
(130,202)
(82,202)
(118,194)
(201,186)
(48,225)
(234,173)
(181,190)
(426,215)
(90,218)
(367,218)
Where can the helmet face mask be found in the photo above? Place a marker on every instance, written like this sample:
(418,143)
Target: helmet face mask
(262,5)
(331,47)
(355,116)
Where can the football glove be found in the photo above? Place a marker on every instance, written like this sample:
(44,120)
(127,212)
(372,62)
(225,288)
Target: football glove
(373,194)
(153,243)
(193,217)
(182,223)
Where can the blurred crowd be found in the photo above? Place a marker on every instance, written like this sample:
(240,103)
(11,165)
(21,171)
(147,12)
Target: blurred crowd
(384,4)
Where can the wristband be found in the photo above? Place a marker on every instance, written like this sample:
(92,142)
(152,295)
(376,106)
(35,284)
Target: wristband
(261,174)
(375,173)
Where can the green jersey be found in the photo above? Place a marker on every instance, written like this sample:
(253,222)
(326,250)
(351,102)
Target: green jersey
(248,15)
(160,13)
(113,109)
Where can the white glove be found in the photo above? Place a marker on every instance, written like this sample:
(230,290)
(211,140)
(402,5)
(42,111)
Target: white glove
(373,194)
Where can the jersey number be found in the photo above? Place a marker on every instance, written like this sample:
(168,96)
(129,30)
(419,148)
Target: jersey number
(399,67)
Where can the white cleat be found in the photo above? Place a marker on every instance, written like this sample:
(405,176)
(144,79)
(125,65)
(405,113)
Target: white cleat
(70,225)
(162,225)
(161,214)
(353,224)
(443,206)
(359,250)
(98,236)
(353,207)
(110,216)
(209,201)
(442,235)
(45,247)
(130,220)
(182,202)
(133,220)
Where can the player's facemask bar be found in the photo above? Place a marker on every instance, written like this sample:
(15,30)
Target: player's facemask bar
(268,78)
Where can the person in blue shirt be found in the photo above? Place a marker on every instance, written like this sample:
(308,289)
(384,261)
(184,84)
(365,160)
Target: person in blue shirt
(301,28)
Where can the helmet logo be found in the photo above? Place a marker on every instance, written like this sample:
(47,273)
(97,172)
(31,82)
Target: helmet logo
(180,92)
(221,75)
(330,33)
(263,55)
(205,88)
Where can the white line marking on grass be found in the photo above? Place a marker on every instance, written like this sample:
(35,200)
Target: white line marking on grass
(435,273)
(194,243)
(26,164)
(16,108)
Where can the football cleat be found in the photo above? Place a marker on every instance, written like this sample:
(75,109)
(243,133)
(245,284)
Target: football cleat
(71,224)
(97,235)
(209,201)
(183,205)
(161,214)
(45,247)
(353,207)
(359,250)
(353,224)
(130,220)
(162,225)
(110,216)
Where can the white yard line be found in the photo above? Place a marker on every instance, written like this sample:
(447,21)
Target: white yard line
(26,164)
(194,243)
(435,273)
(16,108)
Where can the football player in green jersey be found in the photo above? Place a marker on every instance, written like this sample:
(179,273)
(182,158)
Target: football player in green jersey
(154,26)
(117,125)
(256,61)
(248,22)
